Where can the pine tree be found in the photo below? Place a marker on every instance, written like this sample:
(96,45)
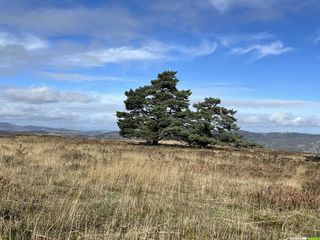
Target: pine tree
(155,112)
(160,111)
(212,124)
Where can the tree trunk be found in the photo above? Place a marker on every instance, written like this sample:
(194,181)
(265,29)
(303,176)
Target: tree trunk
(153,142)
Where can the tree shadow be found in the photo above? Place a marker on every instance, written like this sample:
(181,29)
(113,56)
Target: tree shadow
(313,158)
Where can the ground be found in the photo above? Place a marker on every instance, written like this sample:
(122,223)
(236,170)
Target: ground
(66,188)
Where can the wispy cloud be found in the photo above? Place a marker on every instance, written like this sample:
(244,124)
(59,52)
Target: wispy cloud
(270,103)
(50,21)
(43,95)
(234,39)
(204,48)
(277,119)
(101,57)
(36,113)
(316,39)
(152,51)
(20,50)
(28,42)
(76,77)
(226,5)
(260,45)
(261,9)
(263,50)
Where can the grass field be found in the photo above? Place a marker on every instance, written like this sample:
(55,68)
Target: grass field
(65,188)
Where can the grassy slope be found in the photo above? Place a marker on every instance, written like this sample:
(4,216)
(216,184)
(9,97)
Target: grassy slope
(77,189)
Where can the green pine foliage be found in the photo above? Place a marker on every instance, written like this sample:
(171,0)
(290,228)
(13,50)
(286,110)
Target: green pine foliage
(160,111)
(155,112)
(212,124)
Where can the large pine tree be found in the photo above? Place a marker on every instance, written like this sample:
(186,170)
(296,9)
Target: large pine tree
(155,112)
(160,111)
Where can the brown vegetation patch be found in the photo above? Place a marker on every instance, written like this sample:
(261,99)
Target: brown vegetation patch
(285,197)
(312,184)
(4,182)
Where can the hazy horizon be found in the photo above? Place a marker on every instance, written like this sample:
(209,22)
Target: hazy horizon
(117,129)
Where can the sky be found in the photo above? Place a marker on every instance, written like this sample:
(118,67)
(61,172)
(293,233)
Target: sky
(67,63)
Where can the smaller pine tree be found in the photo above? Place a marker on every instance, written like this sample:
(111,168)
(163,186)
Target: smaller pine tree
(212,124)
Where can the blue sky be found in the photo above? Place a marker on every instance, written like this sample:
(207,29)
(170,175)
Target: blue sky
(67,63)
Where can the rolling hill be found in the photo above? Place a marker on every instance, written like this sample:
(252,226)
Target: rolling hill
(298,142)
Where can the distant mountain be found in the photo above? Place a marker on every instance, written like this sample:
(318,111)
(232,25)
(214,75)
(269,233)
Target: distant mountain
(8,128)
(298,142)
(110,136)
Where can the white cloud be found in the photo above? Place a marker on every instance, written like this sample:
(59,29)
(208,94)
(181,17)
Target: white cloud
(226,5)
(54,108)
(152,51)
(50,21)
(279,119)
(260,44)
(276,114)
(285,119)
(205,48)
(234,39)
(75,77)
(43,95)
(260,10)
(263,50)
(28,42)
(73,116)
(37,113)
(270,103)
(317,38)
(18,51)
(250,119)
(112,55)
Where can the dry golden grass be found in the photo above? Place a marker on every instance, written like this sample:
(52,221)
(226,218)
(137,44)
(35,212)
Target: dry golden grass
(65,188)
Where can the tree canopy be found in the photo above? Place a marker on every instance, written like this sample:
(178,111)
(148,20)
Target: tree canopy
(160,111)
